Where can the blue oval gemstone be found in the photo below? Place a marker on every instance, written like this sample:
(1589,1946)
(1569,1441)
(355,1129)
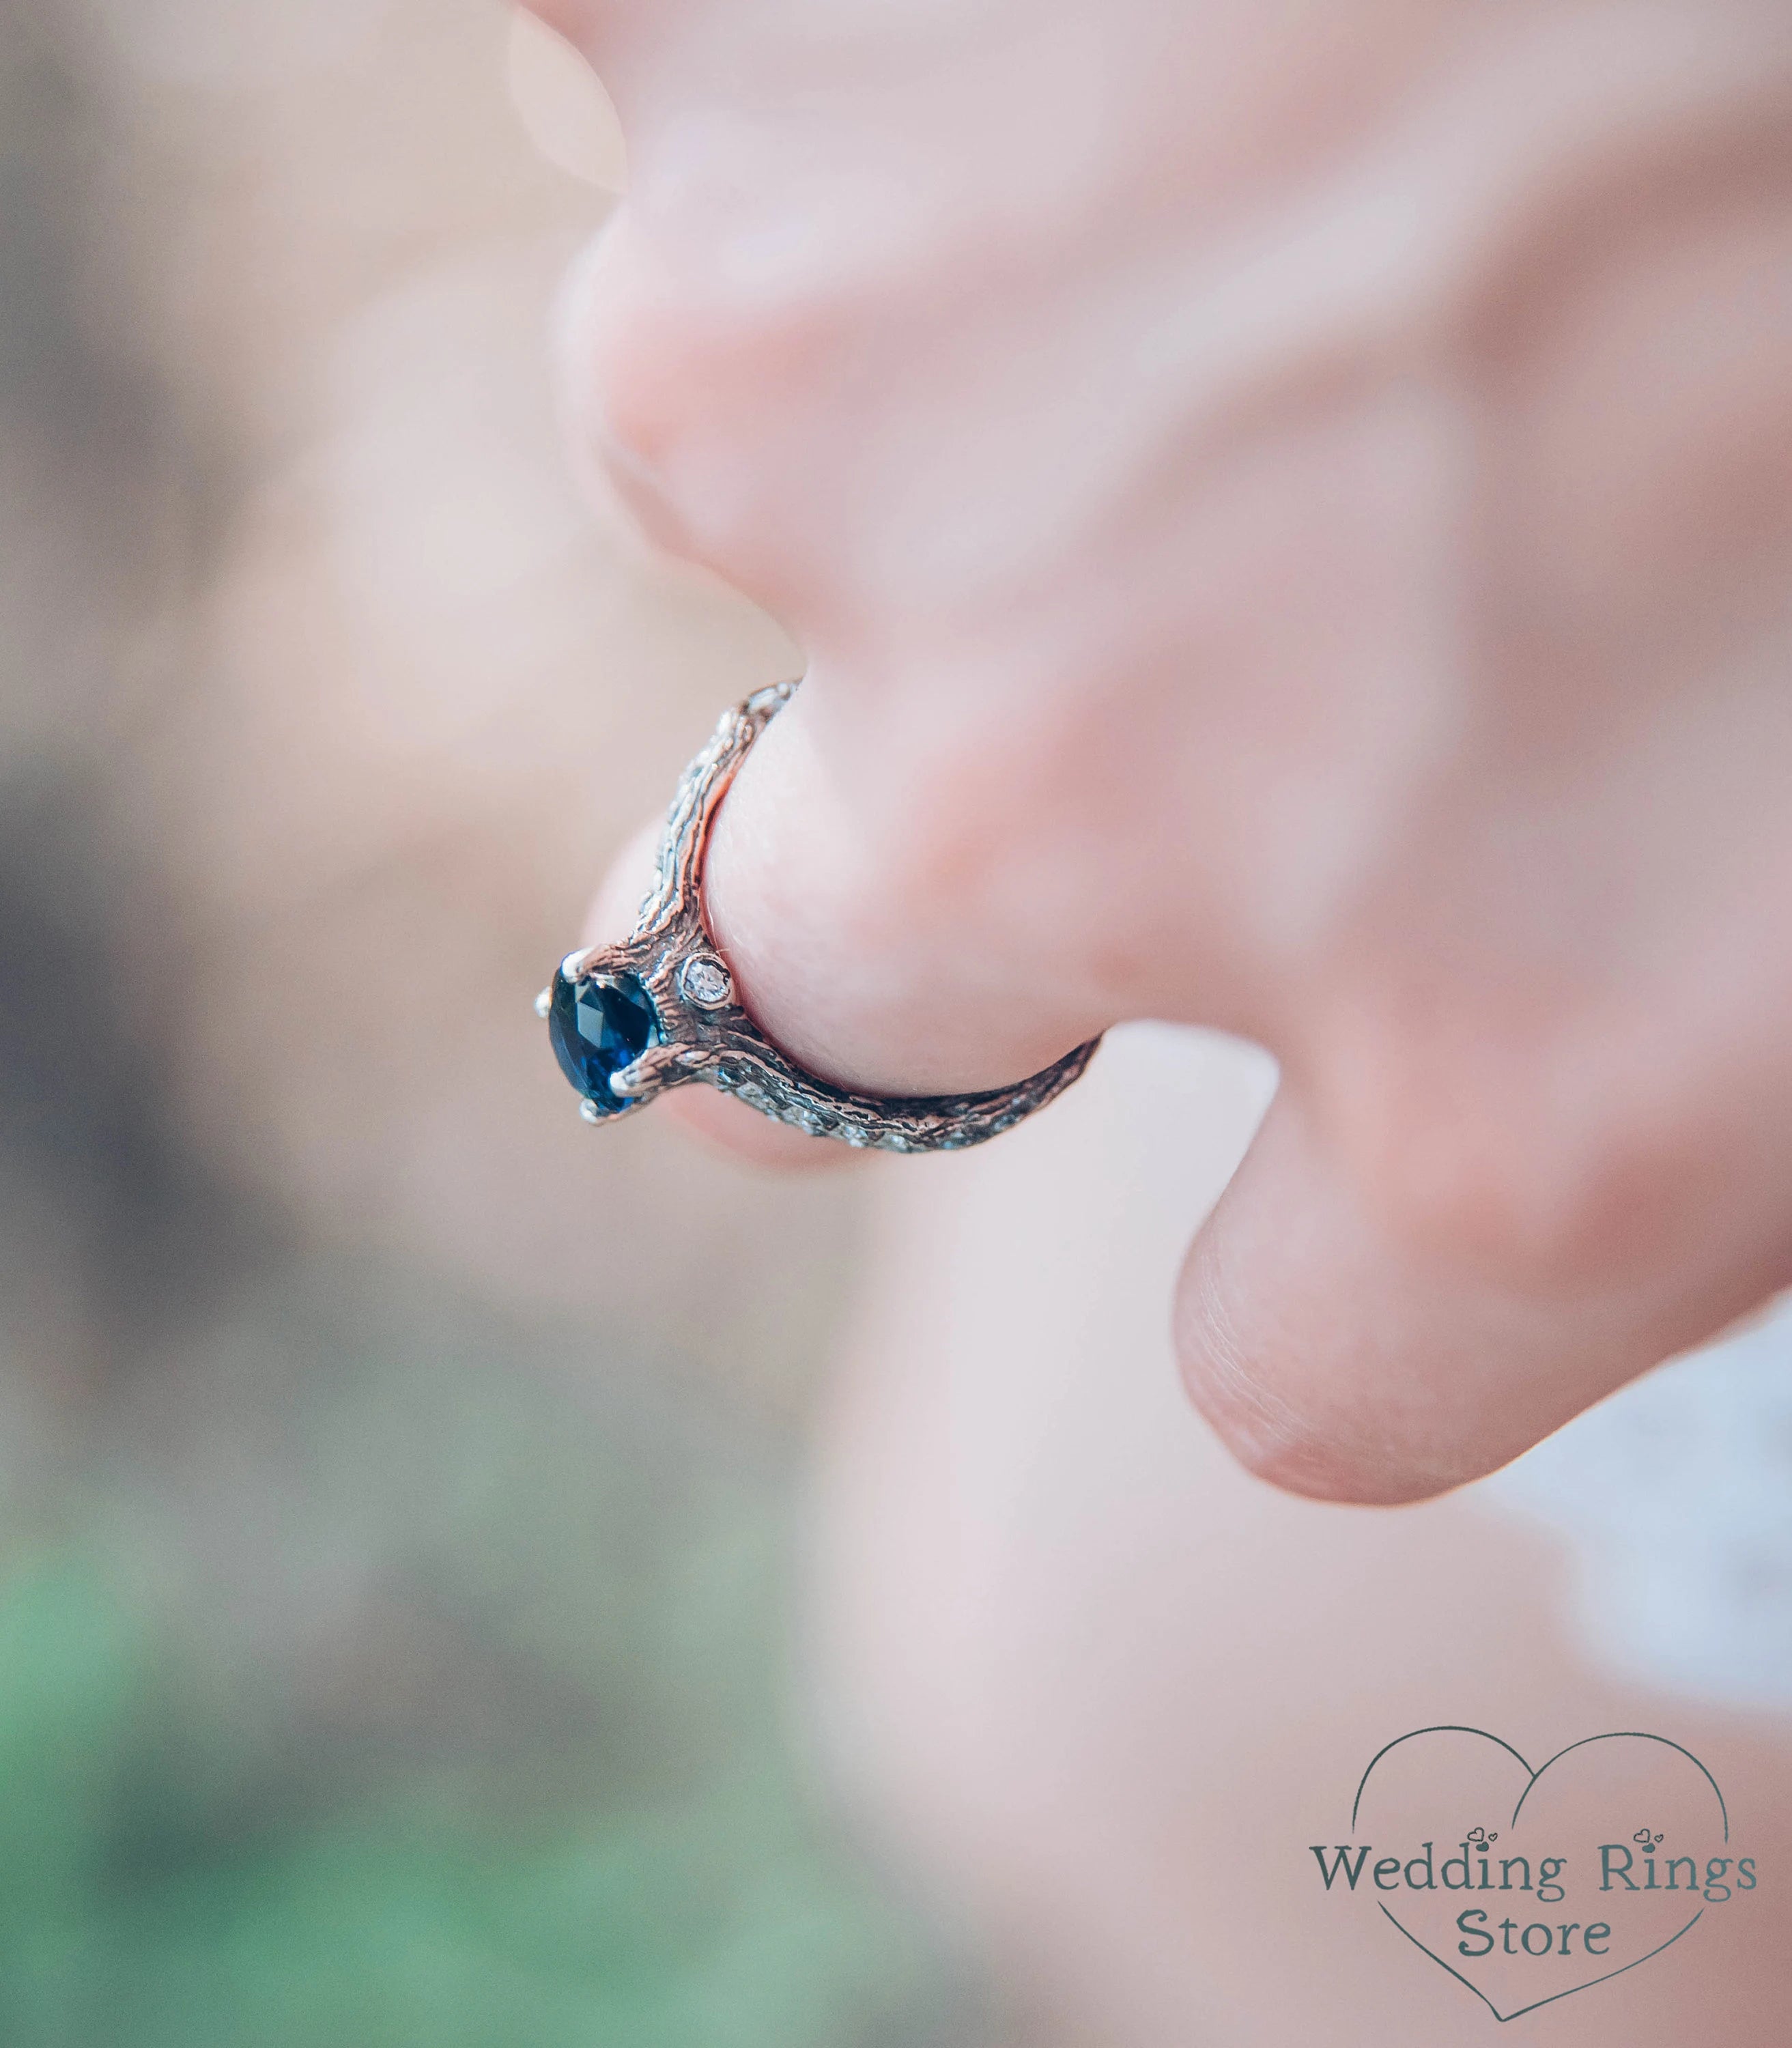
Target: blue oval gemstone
(597,1028)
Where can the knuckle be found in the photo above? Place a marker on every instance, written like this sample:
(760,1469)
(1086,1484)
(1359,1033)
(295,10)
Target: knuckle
(704,405)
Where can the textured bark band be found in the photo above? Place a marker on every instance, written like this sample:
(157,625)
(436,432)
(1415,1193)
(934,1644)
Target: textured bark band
(629,1022)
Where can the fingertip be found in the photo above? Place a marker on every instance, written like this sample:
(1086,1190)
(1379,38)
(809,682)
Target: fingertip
(1232,1379)
(1344,1362)
(1331,1364)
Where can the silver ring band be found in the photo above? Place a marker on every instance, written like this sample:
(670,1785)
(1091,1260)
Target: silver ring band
(629,1022)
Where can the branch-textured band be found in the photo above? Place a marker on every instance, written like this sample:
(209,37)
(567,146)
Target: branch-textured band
(629,1022)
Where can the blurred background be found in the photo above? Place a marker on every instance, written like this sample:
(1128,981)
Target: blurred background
(397,1489)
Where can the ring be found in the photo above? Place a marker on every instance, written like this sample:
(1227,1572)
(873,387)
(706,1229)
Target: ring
(629,1022)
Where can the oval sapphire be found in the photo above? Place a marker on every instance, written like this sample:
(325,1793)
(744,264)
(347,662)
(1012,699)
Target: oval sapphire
(597,1028)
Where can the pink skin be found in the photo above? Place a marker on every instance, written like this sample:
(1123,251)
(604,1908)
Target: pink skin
(1104,1689)
(1290,512)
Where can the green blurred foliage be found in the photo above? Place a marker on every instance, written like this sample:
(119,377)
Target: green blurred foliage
(510,1770)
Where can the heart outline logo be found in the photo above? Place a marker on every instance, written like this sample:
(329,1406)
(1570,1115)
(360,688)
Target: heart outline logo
(1532,1777)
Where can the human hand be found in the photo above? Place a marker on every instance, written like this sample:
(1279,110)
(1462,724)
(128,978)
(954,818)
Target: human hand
(1289,512)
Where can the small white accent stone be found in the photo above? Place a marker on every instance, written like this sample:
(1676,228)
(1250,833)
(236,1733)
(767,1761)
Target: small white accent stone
(706,982)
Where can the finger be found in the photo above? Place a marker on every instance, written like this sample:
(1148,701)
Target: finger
(1338,1360)
(883,875)
(719,1119)
(874,899)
